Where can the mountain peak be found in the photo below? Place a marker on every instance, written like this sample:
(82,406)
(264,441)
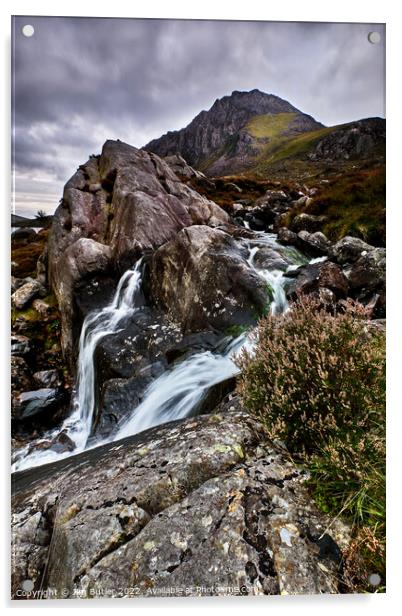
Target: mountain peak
(220,139)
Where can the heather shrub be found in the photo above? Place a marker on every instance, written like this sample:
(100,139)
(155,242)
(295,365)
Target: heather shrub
(317,382)
(315,376)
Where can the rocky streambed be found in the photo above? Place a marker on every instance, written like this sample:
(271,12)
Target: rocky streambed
(143,292)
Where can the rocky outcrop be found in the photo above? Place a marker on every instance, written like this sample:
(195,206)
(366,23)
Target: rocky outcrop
(349,249)
(202,279)
(180,167)
(218,140)
(114,208)
(357,140)
(226,515)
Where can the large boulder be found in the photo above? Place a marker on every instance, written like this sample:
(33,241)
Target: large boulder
(205,506)
(348,250)
(368,272)
(80,261)
(115,207)
(202,279)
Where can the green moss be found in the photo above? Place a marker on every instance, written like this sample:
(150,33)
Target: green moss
(236,330)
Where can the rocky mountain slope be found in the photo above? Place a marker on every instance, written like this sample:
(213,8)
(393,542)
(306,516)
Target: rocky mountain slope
(223,139)
(260,133)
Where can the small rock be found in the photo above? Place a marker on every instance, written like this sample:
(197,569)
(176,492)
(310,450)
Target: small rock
(41,307)
(314,244)
(48,378)
(20,345)
(307,222)
(286,236)
(26,293)
(31,403)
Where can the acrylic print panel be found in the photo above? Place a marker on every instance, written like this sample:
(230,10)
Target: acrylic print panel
(198,308)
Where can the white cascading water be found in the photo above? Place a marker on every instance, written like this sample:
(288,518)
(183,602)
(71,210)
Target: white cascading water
(97,325)
(177,392)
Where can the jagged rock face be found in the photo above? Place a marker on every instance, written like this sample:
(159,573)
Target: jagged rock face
(357,140)
(114,208)
(202,279)
(227,515)
(221,127)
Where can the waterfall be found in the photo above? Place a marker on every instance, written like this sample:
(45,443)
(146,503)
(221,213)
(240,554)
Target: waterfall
(176,393)
(97,325)
(274,278)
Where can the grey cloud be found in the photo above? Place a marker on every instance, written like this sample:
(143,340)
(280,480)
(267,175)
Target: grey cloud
(79,81)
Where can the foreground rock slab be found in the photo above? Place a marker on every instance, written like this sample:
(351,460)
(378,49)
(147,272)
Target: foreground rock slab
(205,506)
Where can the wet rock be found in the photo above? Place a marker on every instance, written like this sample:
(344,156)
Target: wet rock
(314,244)
(120,397)
(315,276)
(193,343)
(32,403)
(20,345)
(26,293)
(367,282)
(268,258)
(348,250)
(142,340)
(48,378)
(287,237)
(202,279)
(307,222)
(209,505)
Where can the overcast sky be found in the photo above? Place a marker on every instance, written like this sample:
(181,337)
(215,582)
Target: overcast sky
(80,81)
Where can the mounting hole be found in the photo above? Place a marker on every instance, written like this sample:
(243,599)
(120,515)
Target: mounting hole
(28,30)
(28,585)
(374,579)
(374,37)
